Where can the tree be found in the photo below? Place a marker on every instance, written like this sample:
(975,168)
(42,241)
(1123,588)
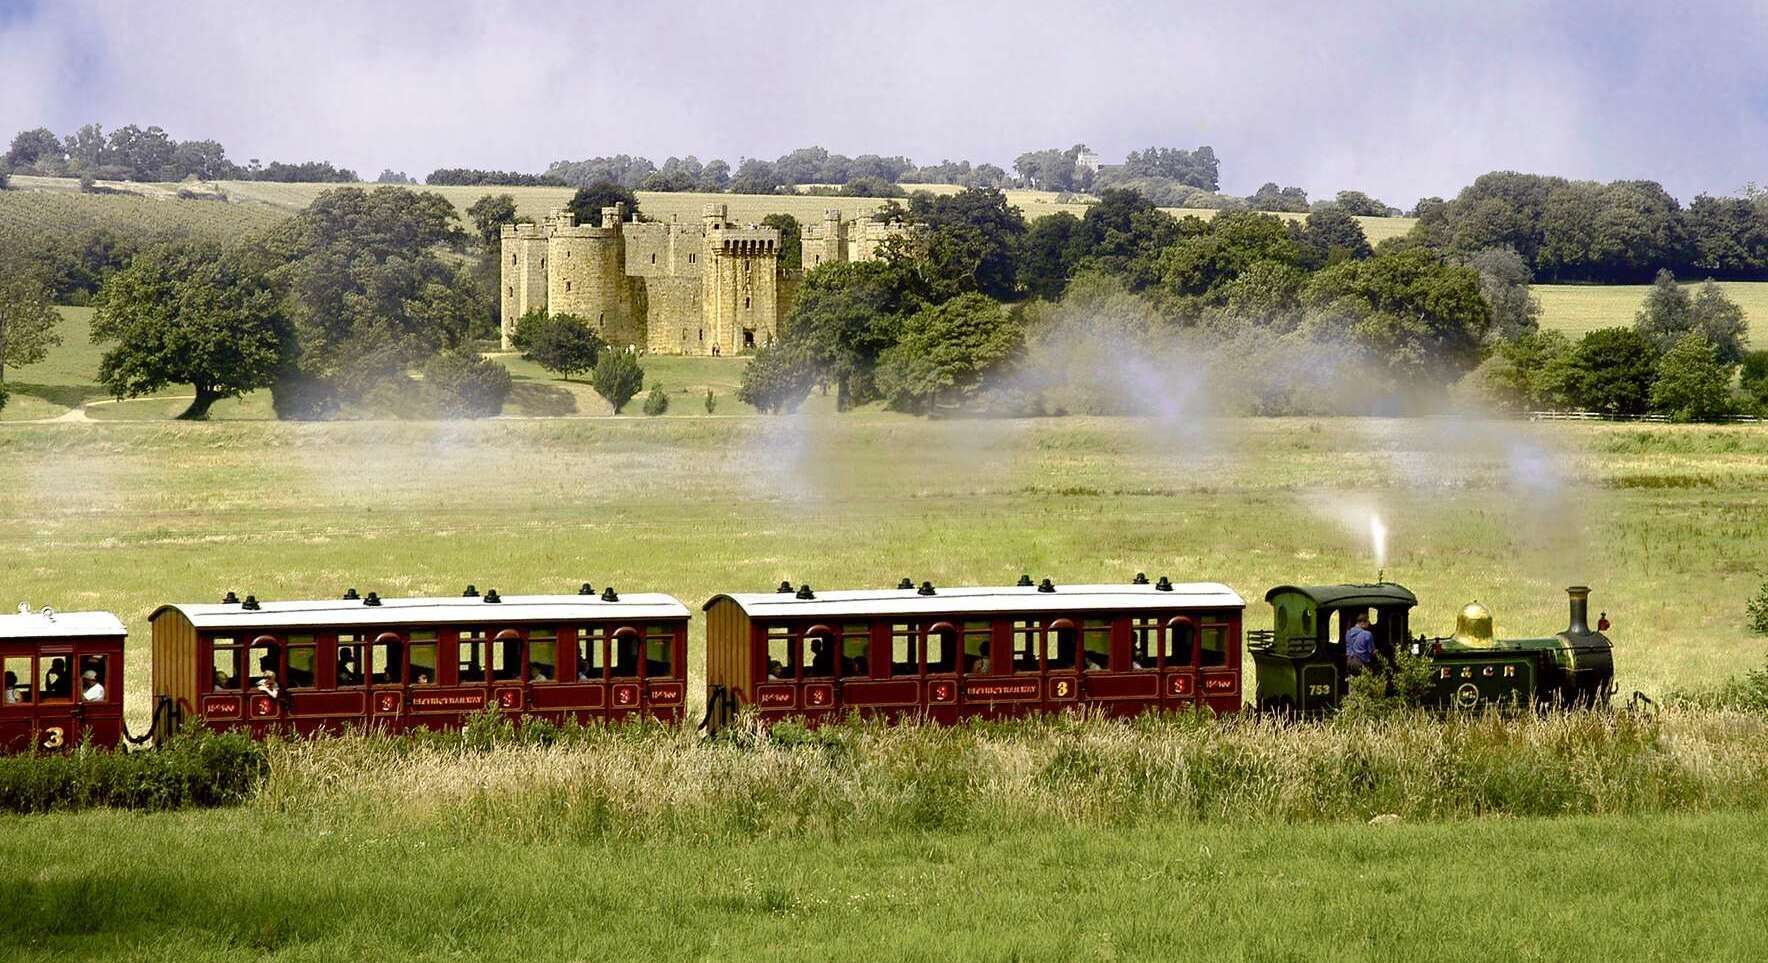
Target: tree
(657,402)
(1270,197)
(1222,248)
(970,242)
(1195,168)
(711,402)
(1421,319)
(1611,371)
(1753,378)
(561,343)
(949,352)
(1360,204)
(791,239)
(755,176)
(1331,235)
(1720,321)
(1504,283)
(185,314)
(38,150)
(617,378)
(586,205)
(490,213)
(845,315)
(1692,384)
(778,378)
(27,319)
(1667,313)
(1046,170)
(460,384)
(1527,373)
(1053,246)
(390,176)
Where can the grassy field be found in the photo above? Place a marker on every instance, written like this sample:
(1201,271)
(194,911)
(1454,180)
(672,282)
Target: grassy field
(1580,308)
(105,885)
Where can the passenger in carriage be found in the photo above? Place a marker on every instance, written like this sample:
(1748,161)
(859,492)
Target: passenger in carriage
(11,696)
(822,658)
(91,689)
(420,677)
(1097,660)
(349,673)
(267,685)
(57,684)
(775,671)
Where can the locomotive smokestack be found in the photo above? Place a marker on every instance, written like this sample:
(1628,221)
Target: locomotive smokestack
(1580,597)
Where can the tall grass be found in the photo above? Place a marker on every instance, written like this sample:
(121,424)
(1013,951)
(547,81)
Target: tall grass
(648,782)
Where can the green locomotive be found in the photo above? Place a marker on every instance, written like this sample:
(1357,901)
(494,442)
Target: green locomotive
(1301,659)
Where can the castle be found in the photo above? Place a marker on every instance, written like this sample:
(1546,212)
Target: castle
(713,288)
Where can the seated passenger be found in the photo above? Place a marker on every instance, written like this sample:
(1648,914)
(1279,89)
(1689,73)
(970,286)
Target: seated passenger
(11,696)
(267,685)
(585,670)
(775,670)
(822,658)
(539,673)
(420,677)
(348,671)
(56,682)
(91,689)
(222,680)
(1097,660)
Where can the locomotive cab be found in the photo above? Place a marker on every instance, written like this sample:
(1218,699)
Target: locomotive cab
(1301,658)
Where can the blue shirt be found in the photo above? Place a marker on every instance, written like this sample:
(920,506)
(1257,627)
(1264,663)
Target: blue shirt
(1359,645)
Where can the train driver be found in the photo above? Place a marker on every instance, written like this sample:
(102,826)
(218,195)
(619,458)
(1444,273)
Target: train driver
(1359,646)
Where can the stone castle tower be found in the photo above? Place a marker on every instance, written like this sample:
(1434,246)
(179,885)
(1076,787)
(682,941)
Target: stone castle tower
(713,288)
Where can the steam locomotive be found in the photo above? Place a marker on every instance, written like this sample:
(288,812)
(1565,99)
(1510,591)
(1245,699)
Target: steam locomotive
(909,652)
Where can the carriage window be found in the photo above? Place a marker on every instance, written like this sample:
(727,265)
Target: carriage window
(349,663)
(856,649)
(977,636)
(18,680)
(56,682)
(1214,649)
(303,662)
(422,656)
(660,652)
(506,657)
(623,655)
(471,656)
(1096,640)
(387,660)
(1025,635)
(819,654)
(265,659)
(591,654)
(1179,643)
(904,657)
(1144,643)
(543,649)
(226,674)
(779,652)
(942,650)
(93,678)
(1061,647)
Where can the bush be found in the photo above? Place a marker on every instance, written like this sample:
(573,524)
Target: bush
(1407,686)
(711,401)
(617,378)
(3,396)
(1758,611)
(656,402)
(196,768)
(463,385)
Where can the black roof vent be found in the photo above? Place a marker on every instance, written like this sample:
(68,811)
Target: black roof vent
(492,597)
(586,589)
(231,599)
(1024,581)
(373,599)
(804,591)
(1164,585)
(925,589)
(785,587)
(350,595)
(472,592)
(1046,586)
(609,595)
(250,604)
(905,584)
(1140,579)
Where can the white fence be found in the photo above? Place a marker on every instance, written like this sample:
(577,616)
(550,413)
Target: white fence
(1602,416)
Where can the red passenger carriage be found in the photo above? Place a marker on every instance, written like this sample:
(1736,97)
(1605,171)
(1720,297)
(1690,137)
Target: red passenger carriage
(63,679)
(951,653)
(406,663)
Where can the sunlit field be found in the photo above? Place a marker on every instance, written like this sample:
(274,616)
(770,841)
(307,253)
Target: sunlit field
(1580,308)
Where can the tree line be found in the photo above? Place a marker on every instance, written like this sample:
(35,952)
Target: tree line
(134,153)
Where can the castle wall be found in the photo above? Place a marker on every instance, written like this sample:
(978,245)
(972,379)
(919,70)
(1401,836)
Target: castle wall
(588,279)
(740,297)
(524,254)
(675,323)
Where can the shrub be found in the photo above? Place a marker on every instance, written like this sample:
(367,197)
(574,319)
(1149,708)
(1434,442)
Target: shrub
(3,396)
(711,401)
(1758,611)
(656,402)
(461,385)
(1407,686)
(617,378)
(196,768)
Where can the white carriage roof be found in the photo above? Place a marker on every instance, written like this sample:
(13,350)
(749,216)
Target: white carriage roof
(985,599)
(345,613)
(60,625)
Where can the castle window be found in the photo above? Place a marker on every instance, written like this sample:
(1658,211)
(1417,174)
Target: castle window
(745,302)
(512,259)
(512,291)
(702,334)
(567,285)
(543,262)
(690,259)
(653,259)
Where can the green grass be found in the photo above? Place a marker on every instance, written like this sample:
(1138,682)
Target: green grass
(216,886)
(1578,309)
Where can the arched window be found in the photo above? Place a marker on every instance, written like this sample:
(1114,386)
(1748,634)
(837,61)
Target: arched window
(1061,645)
(624,651)
(820,645)
(506,656)
(1179,647)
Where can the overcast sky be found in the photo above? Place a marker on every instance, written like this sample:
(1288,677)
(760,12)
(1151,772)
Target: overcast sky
(1401,99)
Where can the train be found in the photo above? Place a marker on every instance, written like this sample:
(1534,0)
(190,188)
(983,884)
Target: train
(913,651)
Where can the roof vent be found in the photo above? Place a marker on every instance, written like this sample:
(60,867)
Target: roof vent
(785,588)
(804,591)
(586,589)
(491,597)
(925,589)
(1164,585)
(250,604)
(905,584)
(609,595)
(24,608)
(1024,581)
(373,599)
(1046,586)
(472,592)
(231,599)
(351,596)
(1140,579)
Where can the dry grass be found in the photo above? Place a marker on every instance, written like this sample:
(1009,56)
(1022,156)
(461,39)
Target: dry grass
(1578,309)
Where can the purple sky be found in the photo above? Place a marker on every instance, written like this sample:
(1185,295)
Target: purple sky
(1399,99)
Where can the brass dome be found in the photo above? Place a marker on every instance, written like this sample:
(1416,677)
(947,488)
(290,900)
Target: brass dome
(1473,627)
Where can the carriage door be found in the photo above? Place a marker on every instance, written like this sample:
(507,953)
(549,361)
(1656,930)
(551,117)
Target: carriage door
(18,703)
(507,692)
(625,647)
(821,655)
(58,722)
(387,673)
(1178,661)
(1062,661)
